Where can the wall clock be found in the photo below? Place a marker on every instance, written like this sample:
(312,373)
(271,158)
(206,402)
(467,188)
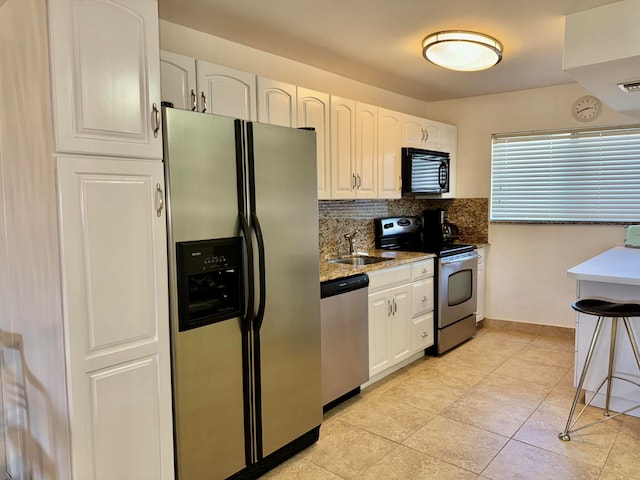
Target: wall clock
(586,109)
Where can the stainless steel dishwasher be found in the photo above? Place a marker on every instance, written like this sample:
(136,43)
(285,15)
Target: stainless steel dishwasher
(345,338)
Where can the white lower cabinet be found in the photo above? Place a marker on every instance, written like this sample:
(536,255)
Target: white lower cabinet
(400,315)
(113,238)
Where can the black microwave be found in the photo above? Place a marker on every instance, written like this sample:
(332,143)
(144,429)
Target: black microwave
(424,171)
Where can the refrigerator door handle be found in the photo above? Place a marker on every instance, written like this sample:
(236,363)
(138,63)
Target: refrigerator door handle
(251,291)
(261,271)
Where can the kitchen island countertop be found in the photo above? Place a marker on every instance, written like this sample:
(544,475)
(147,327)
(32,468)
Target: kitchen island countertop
(331,271)
(617,265)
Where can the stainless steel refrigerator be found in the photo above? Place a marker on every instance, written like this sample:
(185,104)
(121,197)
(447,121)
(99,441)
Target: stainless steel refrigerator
(244,293)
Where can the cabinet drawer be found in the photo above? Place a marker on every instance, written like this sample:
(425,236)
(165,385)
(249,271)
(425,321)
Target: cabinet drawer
(421,269)
(422,293)
(422,332)
(387,277)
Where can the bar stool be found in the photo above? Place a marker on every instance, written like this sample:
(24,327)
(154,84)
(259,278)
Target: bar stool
(616,312)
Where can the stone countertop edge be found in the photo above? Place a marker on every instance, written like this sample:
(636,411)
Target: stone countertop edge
(332,271)
(617,265)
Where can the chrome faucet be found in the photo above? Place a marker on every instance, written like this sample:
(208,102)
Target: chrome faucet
(351,238)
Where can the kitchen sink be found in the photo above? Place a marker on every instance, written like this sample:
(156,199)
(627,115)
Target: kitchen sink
(359,260)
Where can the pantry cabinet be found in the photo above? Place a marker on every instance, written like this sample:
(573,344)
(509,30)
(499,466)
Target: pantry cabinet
(314,112)
(106,77)
(113,240)
(95,387)
(401,301)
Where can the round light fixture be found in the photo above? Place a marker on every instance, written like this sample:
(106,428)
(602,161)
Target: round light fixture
(462,50)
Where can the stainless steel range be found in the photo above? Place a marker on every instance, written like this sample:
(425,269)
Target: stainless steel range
(456,272)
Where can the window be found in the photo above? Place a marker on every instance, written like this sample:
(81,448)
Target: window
(566,176)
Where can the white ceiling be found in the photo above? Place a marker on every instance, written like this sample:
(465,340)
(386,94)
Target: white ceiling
(378,42)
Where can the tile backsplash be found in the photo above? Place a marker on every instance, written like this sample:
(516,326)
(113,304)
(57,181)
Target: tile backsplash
(340,217)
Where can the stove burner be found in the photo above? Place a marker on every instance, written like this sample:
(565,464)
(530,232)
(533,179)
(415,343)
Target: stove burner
(405,234)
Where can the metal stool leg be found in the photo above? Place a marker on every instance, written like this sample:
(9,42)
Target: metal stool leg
(564,435)
(612,351)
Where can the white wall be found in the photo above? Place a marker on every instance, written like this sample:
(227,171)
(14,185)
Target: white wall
(185,41)
(526,269)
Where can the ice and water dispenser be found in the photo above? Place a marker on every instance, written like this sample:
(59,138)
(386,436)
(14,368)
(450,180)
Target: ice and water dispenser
(210,281)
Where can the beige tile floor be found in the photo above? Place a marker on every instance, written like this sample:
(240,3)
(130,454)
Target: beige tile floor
(490,409)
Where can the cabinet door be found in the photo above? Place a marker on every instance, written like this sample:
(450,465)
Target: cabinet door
(379,314)
(106,77)
(413,134)
(366,151)
(113,239)
(422,331)
(434,135)
(422,296)
(178,80)
(313,111)
(225,91)
(389,153)
(343,133)
(399,335)
(277,103)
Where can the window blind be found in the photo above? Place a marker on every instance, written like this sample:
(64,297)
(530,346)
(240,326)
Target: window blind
(566,176)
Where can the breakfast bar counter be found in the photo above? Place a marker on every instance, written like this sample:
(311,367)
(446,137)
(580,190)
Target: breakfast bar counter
(613,275)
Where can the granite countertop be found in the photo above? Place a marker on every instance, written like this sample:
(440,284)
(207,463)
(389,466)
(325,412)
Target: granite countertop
(618,265)
(331,271)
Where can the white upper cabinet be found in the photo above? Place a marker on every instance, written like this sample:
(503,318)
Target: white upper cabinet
(105,75)
(277,103)
(422,133)
(226,91)
(389,153)
(366,151)
(313,111)
(354,128)
(343,151)
(178,79)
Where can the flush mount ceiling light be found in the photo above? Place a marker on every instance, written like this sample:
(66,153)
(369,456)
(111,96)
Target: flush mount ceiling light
(462,50)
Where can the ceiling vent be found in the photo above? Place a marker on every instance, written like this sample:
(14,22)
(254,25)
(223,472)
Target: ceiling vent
(630,87)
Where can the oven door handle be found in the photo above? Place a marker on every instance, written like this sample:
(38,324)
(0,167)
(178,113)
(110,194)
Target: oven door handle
(456,259)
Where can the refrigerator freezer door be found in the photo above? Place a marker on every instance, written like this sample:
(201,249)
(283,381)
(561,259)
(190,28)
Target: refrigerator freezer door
(287,206)
(200,167)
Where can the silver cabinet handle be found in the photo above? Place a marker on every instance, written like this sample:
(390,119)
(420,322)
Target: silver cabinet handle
(156,119)
(424,299)
(204,102)
(425,334)
(424,270)
(395,306)
(426,135)
(355,181)
(359,181)
(389,308)
(159,199)
(422,137)
(194,101)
